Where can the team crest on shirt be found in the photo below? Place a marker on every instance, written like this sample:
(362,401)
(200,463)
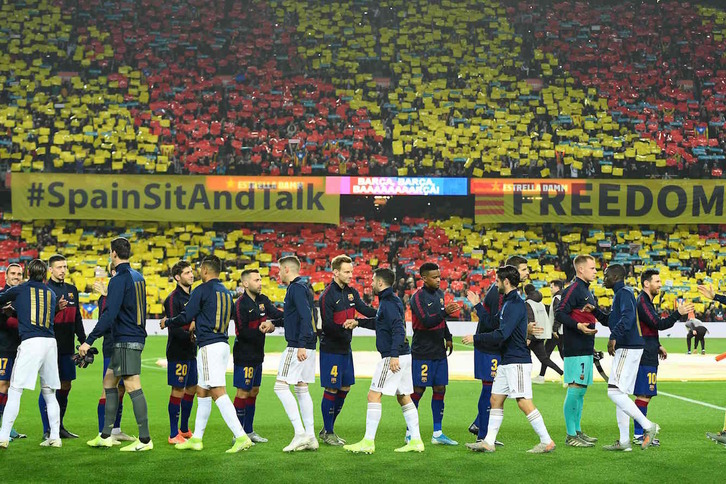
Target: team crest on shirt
(441,300)
(350,297)
(262,307)
(70,295)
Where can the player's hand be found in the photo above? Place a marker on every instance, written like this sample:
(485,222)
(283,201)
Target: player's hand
(83,349)
(162,322)
(588,308)
(192,326)
(265,327)
(302,355)
(685,308)
(533,330)
(585,329)
(695,333)
(473,298)
(350,324)
(451,308)
(62,303)
(450,346)
(707,291)
(100,288)
(611,347)
(468,339)
(555,336)
(662,353)
(394,365)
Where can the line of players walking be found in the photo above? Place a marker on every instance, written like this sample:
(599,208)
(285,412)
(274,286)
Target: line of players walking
(46,317)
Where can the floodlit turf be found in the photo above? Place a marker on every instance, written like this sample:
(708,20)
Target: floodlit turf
(685,454)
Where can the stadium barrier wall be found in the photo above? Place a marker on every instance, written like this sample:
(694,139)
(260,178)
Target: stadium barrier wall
(457,328)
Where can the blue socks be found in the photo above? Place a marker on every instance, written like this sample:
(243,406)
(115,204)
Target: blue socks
(250,414)
(484,408)
(174,409)
(643,407)
(327,408)
(437,409)
(339,402)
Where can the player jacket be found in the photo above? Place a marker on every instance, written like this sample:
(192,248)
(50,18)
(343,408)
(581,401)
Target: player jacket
(125,308)
(68,322)
(9,336)
(390,325)
(512,332)
(35,304)
(720,298)
(298,316)
(488,313)
(210,306)
(337,304)
(429,324)
(650,324)
(179,344)
(108,336)
(249,345)
(570,313)
(623,320)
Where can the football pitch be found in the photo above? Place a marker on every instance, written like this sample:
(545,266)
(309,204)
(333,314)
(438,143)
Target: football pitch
(684,455)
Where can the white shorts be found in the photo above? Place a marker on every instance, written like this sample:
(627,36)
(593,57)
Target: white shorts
(36,356)
(293,371)
(388,383)
(513,380)
(624,371)
(212,365)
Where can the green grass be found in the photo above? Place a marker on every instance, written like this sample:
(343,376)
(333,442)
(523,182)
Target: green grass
(685,453)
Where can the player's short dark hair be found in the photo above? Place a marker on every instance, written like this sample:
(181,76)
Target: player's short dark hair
(247,272)
(179,267)
(55,258)
(13,264)
(529,289)
(339,260)
(37,270)
(516,261)
(386,275)
(427,267)
(289,259)
(509,273)
(582,258)
(122,247)
(558,284)
(618,271)
(647,275)
(213,264)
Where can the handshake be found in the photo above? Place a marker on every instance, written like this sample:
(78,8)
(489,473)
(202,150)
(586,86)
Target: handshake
(266,327)
(84,361)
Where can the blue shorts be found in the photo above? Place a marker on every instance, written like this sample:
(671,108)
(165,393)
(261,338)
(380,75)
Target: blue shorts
(485,365)
(66,368)
(429,373)
(181,374)
(246,377)
(578,369)
(336,371)
(106,364)
(6,368)
(646,383)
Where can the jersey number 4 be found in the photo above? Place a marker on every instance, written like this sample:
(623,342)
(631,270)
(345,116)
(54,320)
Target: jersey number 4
(334,371)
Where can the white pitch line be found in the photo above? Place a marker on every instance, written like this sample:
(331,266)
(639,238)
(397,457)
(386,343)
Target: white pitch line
(689,400)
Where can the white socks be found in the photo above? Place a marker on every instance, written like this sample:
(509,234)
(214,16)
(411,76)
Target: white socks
(535,418)
(496,415)
(373,418)
(623,425)
(53,411)
(410,413)
(624,403)
(306,409)
(282,390)
(229,414)
(12,407)
(204,410)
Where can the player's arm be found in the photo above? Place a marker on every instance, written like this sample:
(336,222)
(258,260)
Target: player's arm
(564,309)
(627,316)
(191,311)
(242,321)
(720,298)
(398,330)
(327,314)
(114,300)
(427,319)
(8,295)
(505,329)
(79,330)
(171,311)
(307,325)
(274,315)
(362,307)
(650,319)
